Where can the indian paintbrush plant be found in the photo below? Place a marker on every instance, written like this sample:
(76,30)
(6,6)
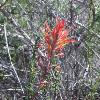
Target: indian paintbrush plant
(46,68)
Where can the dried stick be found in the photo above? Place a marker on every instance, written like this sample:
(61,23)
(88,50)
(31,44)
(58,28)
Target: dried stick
(6,40)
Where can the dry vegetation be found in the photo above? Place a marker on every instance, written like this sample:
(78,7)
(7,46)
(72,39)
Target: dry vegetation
(28,72)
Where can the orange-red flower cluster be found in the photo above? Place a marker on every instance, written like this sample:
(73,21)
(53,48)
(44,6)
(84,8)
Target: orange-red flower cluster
(57,38)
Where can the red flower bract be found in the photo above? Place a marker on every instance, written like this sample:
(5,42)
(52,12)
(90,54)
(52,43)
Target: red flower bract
(57,38)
